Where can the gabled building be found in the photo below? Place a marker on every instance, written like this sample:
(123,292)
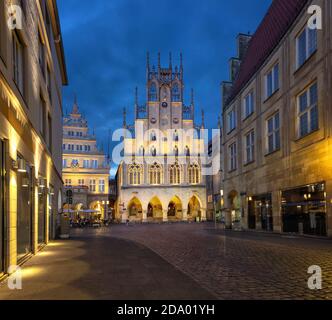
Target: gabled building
(277,124)
(161,177)
(85,171)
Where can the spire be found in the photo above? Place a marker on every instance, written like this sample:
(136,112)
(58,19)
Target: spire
(148,61)
(136,96)
(124,117)
(170,60)
(75,105)
(192,101)
(136,102)
(159,63)
(203,119)
(181,66)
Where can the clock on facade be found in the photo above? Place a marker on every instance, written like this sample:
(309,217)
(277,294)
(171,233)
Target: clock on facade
(153,120)
(164,104)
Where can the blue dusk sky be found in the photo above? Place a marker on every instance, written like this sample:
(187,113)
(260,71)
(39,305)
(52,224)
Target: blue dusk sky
(106,43)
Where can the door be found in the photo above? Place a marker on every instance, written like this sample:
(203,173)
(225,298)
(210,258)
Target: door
(2,214)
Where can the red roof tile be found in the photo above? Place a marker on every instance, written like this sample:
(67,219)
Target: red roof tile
(279,18)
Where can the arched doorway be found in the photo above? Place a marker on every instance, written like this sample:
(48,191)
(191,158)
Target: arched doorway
(194,209)
(155,209)
(175,209)
(135,210)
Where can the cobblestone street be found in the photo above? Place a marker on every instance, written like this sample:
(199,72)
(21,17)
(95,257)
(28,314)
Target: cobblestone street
(239,265)
(175,261)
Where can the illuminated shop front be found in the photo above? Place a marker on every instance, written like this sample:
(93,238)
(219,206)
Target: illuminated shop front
(260,212)
(41,212)
(304,210)
(2,214)
(24,209)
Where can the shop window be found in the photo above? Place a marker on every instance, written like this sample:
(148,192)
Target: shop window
(304,210)
(260,214)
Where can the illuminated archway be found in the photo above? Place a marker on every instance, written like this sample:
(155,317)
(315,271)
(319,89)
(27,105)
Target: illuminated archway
(135,210)
(175,209)
(194,208)
(155,209)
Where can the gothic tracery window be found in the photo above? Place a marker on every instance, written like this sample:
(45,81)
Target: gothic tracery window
(155,174)
(135,173)
(153,92)
(175,174)
(176,93)
(194,174)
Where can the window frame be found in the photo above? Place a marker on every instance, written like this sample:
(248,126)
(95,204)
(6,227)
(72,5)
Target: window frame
(250,148)
(275,83)
(274,133)
(308,53)
(307,111)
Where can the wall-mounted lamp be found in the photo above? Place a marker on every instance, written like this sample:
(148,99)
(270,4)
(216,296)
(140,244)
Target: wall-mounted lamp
(41,183)
(222,193)
(249,198)
(21,165)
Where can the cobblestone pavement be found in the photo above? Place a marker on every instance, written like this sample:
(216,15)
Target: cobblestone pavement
(175,262)
(236,265)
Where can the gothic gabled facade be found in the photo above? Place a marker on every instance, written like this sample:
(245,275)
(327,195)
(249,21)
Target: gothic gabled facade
(161,176)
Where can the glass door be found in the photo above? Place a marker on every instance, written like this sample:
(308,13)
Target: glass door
(2,230)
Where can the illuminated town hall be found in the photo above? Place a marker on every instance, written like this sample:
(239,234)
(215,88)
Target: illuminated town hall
(161,178)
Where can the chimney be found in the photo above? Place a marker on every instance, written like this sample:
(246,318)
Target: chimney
(226,90)
(234,68)
(243,41)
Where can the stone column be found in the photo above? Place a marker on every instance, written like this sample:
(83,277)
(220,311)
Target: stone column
(228,218)
(145,216)
(185,215)
(203,215)
(165,216)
